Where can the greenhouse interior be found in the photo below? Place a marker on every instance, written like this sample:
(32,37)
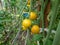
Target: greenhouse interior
(29,22)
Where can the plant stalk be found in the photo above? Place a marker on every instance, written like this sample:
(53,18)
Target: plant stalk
(57,36)
(54,15)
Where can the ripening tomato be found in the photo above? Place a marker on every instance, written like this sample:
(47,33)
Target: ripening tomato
(35,29)
(26,23)
(33,15)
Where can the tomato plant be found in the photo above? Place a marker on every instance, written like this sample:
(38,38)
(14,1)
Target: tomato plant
(23,22)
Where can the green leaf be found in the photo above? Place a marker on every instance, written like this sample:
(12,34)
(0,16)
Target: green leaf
(37,37)
(1,35)
(49,42)
(57,36)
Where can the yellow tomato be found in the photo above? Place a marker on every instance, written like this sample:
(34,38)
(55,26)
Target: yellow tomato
(35,29)
(28,1)
(26,23)
(33,15)
(28,5)
(24,28)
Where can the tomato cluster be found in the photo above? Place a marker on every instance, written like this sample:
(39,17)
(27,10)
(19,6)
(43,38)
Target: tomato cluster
(27,23)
